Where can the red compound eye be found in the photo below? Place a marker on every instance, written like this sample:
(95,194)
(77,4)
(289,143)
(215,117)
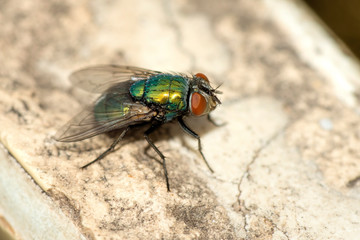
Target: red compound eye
(203,76)
(198,104)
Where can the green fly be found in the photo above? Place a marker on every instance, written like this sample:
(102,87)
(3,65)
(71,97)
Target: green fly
(132,96)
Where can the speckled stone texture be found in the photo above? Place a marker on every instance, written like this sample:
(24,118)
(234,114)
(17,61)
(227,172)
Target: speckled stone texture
(286,162)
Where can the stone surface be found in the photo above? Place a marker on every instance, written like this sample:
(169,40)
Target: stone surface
(33,214)
(286,162)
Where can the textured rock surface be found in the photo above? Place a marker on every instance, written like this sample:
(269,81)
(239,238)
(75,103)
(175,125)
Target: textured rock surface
(286,163)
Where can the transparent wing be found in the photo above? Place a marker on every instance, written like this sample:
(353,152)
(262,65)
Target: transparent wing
(111,111)
(100,78)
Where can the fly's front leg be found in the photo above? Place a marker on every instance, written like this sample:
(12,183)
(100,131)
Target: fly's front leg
(210,119)
(195,135)
(111,148)
(146,136)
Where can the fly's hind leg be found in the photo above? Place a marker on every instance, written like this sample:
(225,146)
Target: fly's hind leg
(195,135)
(146,136)
(110,149)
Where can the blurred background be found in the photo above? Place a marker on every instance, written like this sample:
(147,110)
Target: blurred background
(342,17)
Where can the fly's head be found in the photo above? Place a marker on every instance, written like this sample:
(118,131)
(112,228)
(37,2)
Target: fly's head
(203,97)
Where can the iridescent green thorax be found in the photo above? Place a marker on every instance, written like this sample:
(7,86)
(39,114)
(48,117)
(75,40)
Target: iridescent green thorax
(166,91)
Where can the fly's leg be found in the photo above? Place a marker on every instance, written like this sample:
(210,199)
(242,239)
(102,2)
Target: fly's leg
(210,119)
(111,148)
(146,136)
(193,134)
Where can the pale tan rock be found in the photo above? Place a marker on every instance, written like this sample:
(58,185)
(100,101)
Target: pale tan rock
(286,162)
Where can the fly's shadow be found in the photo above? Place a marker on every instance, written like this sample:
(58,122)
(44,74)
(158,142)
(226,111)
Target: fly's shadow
(162,134)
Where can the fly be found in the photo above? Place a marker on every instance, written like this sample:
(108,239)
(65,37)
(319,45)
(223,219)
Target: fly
(132,96)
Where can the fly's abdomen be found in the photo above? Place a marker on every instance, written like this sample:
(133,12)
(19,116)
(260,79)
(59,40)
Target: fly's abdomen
(169,92)
(110,106)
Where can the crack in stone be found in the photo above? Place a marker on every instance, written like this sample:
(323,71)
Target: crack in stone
(273,224)
(257,154)
(241,203)
(276,227)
